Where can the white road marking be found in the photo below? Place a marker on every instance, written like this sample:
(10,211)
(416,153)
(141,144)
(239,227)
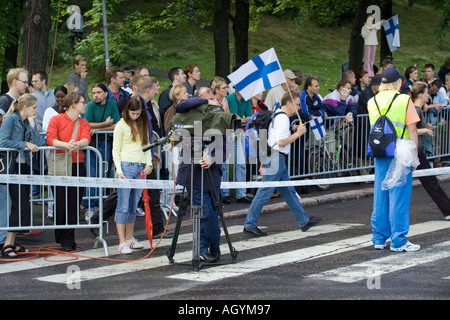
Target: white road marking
(305,254)
(93,253)
(377,267)
(185,256)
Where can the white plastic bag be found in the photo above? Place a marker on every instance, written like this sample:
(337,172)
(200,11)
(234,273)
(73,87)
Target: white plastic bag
(405,158)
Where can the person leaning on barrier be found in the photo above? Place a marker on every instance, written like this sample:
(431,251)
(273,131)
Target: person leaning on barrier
(102,115)
(390,215)
(19,131)
(59,134)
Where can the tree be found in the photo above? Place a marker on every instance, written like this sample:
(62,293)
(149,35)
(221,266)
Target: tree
(221,37)
(35,31)
(10,22)
(241,22)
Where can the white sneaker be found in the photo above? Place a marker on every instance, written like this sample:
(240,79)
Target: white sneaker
(140,212)
(88,214)
(380,246)
(408,247)
(124,248)
(134,244)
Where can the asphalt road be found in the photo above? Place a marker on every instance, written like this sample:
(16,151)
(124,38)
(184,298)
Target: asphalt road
(332,261)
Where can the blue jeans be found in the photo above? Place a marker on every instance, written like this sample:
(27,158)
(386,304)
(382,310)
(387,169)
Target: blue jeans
(209,223)
(276,170)
(128,199)
(239,165)
(92,193)
(4,211)
(390,216)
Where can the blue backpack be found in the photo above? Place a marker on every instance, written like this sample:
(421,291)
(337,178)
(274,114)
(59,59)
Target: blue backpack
(382,136)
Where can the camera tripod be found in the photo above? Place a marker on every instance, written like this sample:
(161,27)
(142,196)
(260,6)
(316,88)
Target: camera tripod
(196,215)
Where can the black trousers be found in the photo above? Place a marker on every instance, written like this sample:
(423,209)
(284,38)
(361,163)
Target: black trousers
(20,202)
(432,187)
(67,206)
(155,207)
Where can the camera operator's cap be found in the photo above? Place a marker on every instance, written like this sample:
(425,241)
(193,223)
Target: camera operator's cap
(375,80)
(289,74)
(128,69)
(391,75)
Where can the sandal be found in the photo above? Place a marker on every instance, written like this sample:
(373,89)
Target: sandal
(9,254)
(18,248)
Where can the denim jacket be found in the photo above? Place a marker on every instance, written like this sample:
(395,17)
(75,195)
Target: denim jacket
(15,133)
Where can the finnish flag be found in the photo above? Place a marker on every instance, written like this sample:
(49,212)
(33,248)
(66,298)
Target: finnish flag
(258,75)
(317,128)
(392,31)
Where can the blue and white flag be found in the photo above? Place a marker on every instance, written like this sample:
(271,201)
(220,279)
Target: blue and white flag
(317,128)
(257,75)
(392,32)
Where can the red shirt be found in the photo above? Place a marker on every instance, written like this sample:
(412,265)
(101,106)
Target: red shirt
(61,128)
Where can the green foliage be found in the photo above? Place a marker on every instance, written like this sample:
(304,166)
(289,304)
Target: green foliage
(442,24)
(128,41)
(321,12)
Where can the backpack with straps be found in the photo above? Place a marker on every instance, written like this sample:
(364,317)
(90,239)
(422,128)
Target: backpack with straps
(382,136)
(253,133)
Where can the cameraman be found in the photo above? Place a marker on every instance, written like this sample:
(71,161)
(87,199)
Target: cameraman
(209,223)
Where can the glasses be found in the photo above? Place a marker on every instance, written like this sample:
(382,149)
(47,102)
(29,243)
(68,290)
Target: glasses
(23,81)
(206,91)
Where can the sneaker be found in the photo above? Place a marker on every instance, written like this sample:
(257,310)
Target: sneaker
(380,246)
(447,217)
(124,248)
(207,257)
(88,214)
(408,247)
(140,212)
(134,244)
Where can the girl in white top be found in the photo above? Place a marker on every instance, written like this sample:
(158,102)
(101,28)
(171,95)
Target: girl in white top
(369,33)
(131,134)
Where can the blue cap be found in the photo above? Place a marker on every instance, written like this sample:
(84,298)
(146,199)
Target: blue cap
(391,75)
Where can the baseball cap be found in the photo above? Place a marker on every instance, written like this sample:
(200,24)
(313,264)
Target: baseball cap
(391,75)
(375,80)
(289,74)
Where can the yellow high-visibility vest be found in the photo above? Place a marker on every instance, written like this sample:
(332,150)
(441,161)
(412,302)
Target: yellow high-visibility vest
(397,113)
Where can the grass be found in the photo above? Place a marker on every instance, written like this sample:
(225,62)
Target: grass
(299,44)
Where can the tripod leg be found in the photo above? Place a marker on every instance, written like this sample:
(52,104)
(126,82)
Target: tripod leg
(181,214)
(196,213)
(218,208)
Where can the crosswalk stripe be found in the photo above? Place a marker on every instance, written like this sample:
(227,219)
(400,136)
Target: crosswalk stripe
(185,256)
(377,267)
(305,254)
(93,253)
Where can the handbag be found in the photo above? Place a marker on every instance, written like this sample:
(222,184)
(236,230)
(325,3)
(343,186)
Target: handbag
(57,164)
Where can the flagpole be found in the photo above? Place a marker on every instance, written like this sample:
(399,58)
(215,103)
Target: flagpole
(292,99)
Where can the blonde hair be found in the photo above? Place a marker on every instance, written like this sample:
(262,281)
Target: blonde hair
(216,83)
(13,74)
(175,91)
(25,100)
(71,87)
(391,86)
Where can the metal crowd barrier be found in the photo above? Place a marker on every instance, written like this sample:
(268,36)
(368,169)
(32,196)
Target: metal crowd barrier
(341,152)
(38,176)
